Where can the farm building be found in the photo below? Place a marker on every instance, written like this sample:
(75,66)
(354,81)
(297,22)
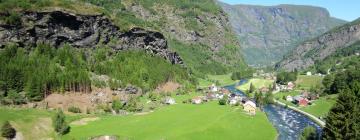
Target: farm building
(301,101)
(169,101)
(196,100)
(250,107)
(289,98)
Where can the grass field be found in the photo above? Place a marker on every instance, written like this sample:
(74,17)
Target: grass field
(181,121)
(306,82)
(222,79)
(258,83)
(319,108)
(31,123)
(322,106)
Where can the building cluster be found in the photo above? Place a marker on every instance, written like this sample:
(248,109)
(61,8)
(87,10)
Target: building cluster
(303,99)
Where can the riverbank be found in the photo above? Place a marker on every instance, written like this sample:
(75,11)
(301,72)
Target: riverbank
(312,117)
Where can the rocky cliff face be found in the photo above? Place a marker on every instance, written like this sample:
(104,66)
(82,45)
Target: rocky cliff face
(194,28)
(266,33)
(83,31)
(307,53)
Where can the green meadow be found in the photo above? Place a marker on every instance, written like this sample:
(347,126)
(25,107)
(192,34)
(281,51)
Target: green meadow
(306,82)
(222,80)
(318,108)
(31,123)
(257,82)
(180,122)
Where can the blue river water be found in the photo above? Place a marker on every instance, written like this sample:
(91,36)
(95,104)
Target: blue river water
(287,122)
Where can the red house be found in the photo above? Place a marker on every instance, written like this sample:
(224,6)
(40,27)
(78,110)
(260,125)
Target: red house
(303,102)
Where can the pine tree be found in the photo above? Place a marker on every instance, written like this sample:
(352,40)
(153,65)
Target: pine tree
(342,121)
(61,127)
(7,131)
(252,88)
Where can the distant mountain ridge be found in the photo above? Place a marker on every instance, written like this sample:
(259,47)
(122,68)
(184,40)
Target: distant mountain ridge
(266,33)
(317,49)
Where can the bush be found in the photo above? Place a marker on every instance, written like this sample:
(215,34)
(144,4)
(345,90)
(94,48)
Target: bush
(7,131)
(285,77)
(60,126)
(74,109)
(309,133)
(222,101)
(116,105)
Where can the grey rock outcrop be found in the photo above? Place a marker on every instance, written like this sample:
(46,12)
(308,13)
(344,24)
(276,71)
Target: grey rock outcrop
(317,49)
(83,31)
(266,33)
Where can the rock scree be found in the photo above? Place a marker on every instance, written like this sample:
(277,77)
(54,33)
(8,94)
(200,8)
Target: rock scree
(82,31)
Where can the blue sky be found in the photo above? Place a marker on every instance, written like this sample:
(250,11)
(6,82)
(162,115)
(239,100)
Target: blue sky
(344,9)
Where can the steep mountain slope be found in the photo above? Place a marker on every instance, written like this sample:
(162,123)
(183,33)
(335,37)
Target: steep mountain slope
(317,49)
(342,58)
(198,31)
(266,33)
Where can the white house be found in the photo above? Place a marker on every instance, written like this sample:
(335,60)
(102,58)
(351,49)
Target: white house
(233,101)
(219,96)
(196,100)
(308,73)
(289,98)
(213,88)
(250,107)
(169,100)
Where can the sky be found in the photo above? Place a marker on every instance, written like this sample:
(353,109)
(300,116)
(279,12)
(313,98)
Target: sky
(343,9)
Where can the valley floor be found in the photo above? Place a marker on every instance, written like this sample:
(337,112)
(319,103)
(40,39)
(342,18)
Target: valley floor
(181,121)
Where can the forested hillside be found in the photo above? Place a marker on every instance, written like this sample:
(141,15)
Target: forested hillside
(59,45)
(45,70)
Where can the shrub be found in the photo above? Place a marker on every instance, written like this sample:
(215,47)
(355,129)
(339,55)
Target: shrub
(74,109)
(309,133)
(222,101)
(284,77)
(116,105)
(7,131)
(60,126)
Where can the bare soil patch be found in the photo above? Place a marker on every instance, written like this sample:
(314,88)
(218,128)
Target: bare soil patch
(168,87)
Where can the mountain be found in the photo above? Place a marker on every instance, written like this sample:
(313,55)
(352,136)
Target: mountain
(318,48)
(198,32)
(266,33)
(75,46)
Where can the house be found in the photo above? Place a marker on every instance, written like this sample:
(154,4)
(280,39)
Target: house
(196,100)
(250,107)
(225,91)
(169,101)
(210,96)
(301,101)
(290,86)
(289,98)
(308,73)
(219,96)
(213,88)
(233,101)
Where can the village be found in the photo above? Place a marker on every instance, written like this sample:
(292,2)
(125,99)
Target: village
(287,93)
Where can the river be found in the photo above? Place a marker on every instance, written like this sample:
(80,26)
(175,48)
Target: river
(287,122)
